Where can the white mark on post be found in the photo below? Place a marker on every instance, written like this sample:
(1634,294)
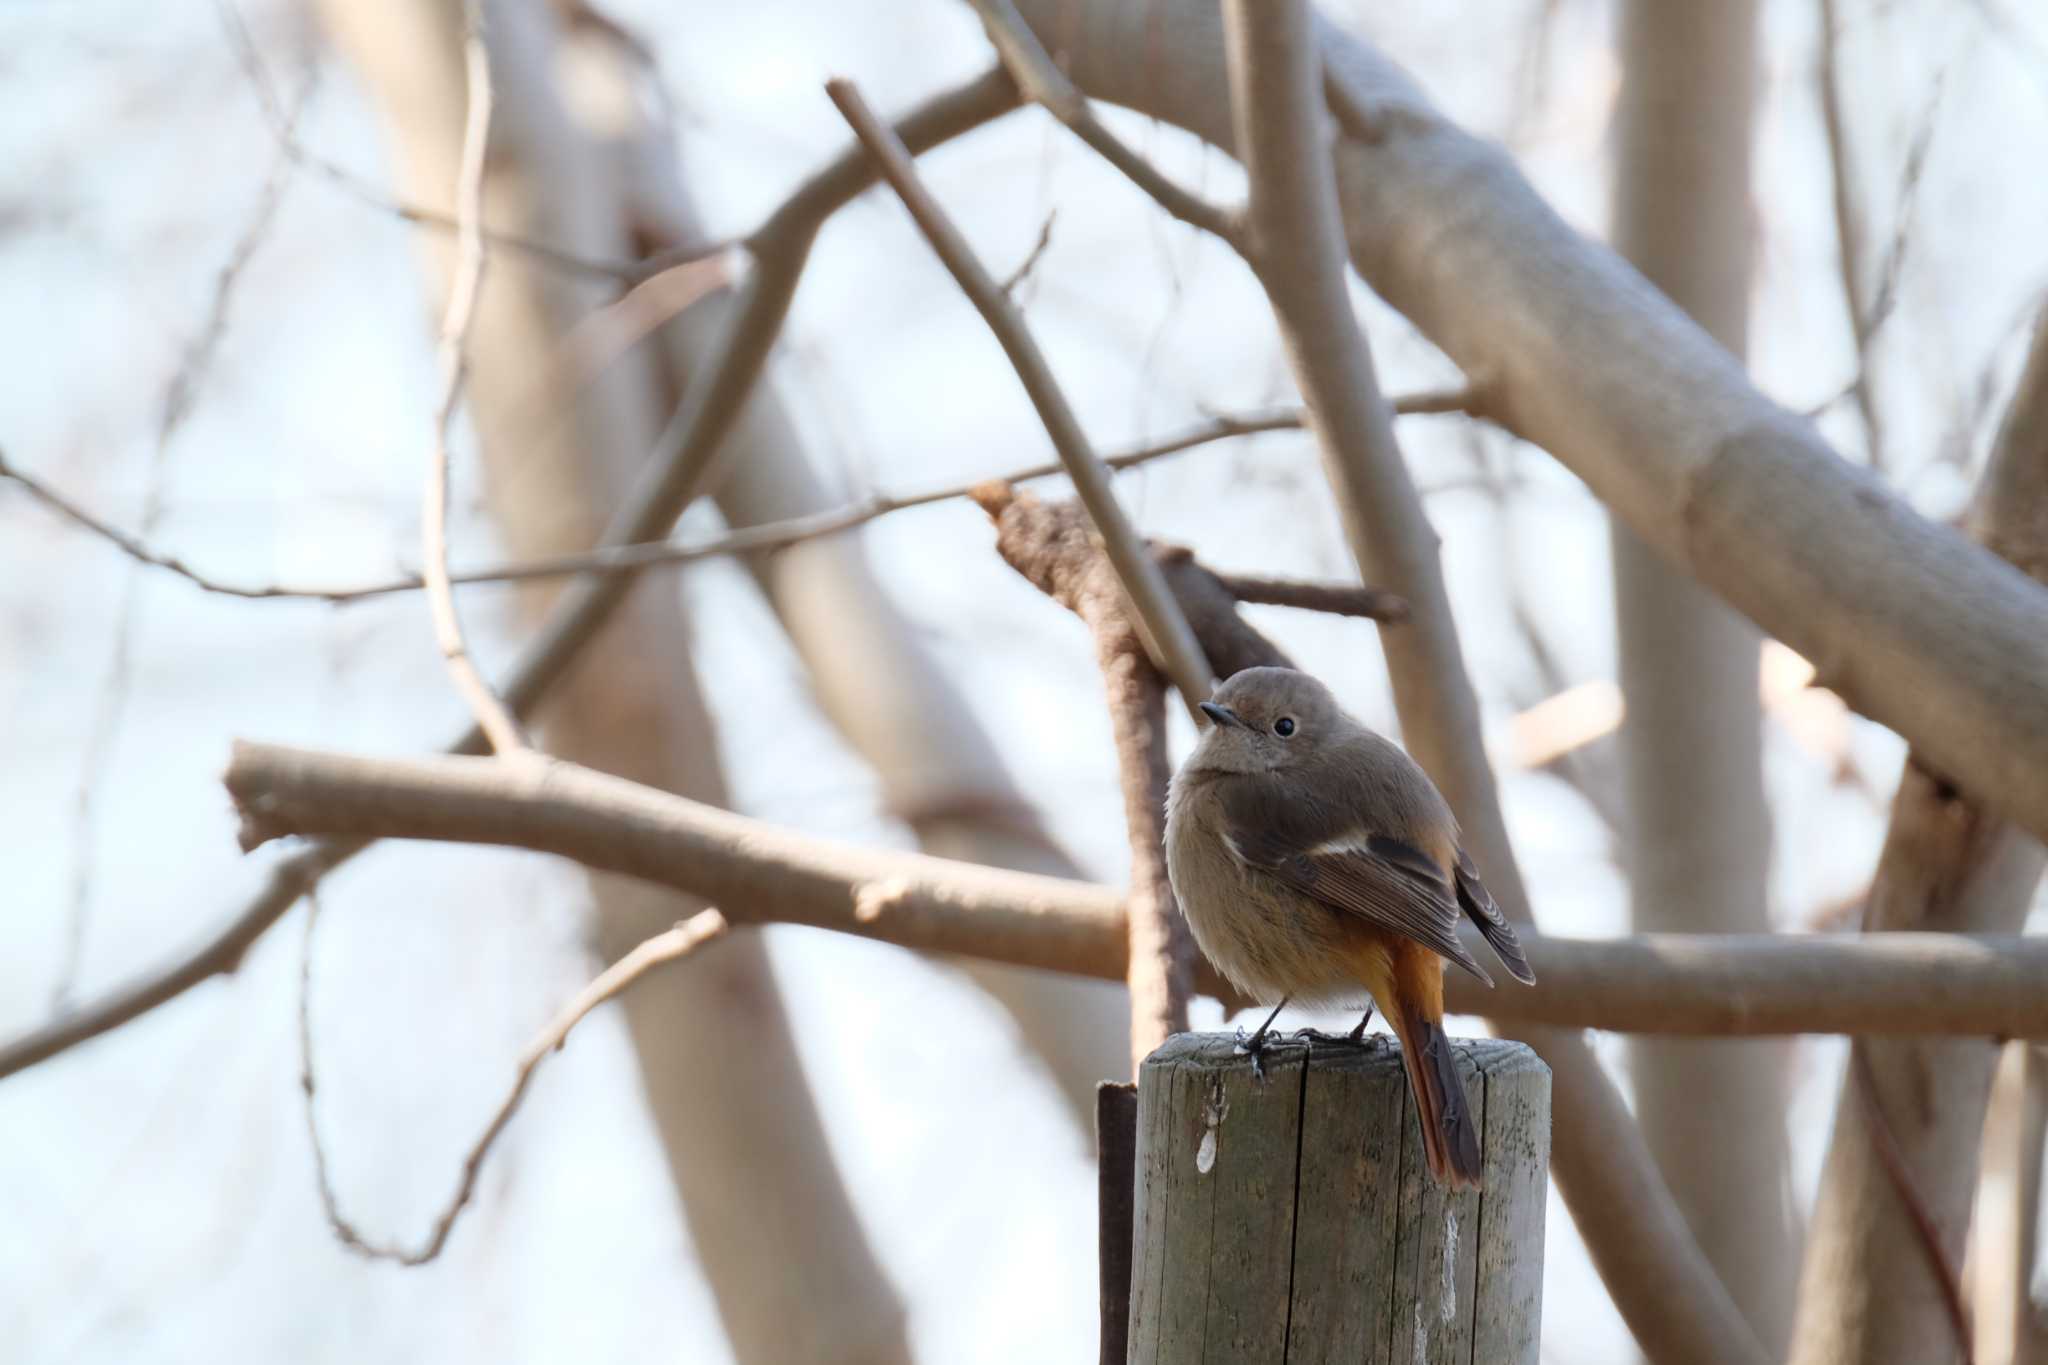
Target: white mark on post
(1448,1306)
(1213,1111)
(1421,1334)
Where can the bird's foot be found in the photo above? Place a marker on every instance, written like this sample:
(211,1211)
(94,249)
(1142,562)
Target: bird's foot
(1253,1047)
(1357,1035)
(1316,1035)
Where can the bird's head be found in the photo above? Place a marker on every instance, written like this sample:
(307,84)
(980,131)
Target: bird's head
(1267,720)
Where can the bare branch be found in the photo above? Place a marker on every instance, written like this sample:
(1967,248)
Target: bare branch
(603,335)
(2028,1269)
(1892,264)
(1896,1191)
(1927,1232)
(1054,548)
(1042,82)
(497,723)
(1167,638)
(1140,631)
(1161,970)
(1030,262)
(356,187)
(1955,985)
(655,553)
(1849,244)
(677,470)
(1661,1283)
(1339,599)
(676,943)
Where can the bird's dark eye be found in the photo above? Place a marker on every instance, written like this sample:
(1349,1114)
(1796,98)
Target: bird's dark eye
(1284,726)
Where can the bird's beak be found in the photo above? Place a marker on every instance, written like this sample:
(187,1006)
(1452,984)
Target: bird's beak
(1222,715)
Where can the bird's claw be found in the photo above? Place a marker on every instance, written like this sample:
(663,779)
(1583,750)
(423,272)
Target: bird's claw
(1316,1035)
(1253,1047)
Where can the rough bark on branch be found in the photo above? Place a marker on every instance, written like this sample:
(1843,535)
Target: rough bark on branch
(1068,564)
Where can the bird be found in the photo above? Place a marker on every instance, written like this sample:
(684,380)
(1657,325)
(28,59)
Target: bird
(1313,857)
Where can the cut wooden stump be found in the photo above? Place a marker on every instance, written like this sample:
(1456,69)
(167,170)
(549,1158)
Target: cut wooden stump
(1293,1218)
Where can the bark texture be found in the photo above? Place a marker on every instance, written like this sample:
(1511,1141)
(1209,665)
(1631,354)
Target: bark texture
(1291,1216)
(1872,1288)
(1695,823)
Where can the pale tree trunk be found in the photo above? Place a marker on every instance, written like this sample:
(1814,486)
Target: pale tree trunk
(2029,1304)
(870,674)
(1872,1288)
(1695,824)
(792,1271)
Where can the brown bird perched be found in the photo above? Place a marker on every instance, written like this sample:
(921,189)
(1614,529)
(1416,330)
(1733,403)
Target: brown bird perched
(1312,858)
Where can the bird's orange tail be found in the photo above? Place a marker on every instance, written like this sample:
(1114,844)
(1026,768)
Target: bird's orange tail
(1449,1139)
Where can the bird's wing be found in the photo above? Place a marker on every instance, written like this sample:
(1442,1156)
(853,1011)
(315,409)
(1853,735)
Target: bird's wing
(1386,881)
(1478,903)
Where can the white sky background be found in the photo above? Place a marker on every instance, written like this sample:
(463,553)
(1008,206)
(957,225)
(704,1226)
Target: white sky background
(156,1189)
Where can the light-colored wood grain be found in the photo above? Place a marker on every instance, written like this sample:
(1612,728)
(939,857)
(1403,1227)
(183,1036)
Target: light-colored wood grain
(1293,1217)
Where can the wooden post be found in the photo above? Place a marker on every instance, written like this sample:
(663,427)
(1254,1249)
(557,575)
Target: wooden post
(1293,1218)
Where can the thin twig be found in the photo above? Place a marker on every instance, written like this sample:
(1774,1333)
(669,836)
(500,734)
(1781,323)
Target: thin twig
(603,335)
(492,716)
(1892,264)
(1030,261)
(676,470)
(1042,82)
(768,535)
(1338,599)
(180,394)
(1849,232)
(1167,637)
(664,947)
(359,189)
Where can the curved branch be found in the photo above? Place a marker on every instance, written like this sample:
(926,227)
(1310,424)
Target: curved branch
(665,947)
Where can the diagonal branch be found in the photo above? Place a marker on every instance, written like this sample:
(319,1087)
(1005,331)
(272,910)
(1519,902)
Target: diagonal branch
(678,469)
(1663,1286)
(1168,640)
(1850,247)
(1133,647)
(498,724)
(1043,83)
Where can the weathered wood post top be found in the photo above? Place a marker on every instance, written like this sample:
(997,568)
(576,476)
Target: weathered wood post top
(1293,1218)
